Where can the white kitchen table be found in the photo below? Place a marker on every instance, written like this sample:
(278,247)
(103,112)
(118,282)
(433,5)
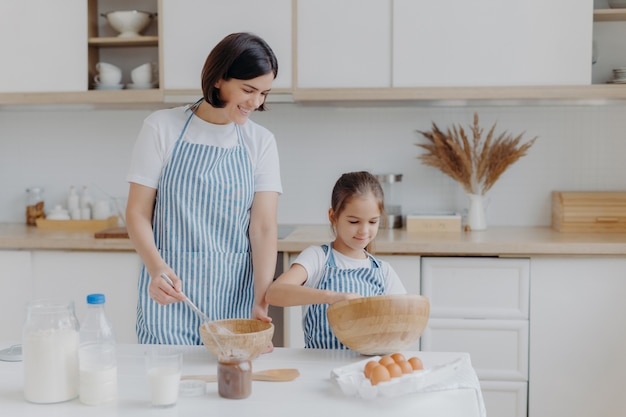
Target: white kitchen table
(313,393)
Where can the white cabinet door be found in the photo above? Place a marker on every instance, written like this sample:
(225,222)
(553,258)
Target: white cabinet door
(71,275)
(477,288)
(44,46)
(343,43)
(491,42)
(577,337)
(505,398)
(498,348)
(17,289)
(192,28)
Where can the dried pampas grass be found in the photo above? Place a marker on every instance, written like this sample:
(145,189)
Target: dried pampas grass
(474,163)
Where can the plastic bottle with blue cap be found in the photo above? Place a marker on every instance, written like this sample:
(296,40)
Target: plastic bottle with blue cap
(97,362)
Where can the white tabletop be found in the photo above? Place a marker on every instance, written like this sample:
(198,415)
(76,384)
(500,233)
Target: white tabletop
(313,393)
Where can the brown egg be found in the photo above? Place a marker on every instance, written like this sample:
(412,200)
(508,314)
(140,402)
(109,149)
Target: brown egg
(406,367)
(416,363)
(386,360)
(394,370)
(379,374)
(369,367)
(398,357)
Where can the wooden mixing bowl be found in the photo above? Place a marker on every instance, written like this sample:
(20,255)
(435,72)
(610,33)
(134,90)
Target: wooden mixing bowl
(379,325)
(238,337)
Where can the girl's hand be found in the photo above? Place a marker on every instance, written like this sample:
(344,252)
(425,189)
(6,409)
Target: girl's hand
(341,296)
(162,292)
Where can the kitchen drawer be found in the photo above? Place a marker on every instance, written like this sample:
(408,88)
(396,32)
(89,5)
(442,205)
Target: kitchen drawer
(498,348)
(505,398)
(476,287)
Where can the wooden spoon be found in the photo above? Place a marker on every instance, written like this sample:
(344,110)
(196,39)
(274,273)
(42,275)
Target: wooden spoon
(274,375)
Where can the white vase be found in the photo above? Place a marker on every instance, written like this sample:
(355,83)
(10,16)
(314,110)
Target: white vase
(476,217)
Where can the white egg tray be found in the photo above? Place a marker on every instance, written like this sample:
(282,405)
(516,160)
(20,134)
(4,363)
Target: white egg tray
(352,380)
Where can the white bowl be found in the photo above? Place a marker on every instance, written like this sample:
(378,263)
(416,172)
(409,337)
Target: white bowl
(129,23)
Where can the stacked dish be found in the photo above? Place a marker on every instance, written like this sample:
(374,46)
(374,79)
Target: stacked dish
(619,76)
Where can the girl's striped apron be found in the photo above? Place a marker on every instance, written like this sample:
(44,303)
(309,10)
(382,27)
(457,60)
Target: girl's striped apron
(364,281)
(200,223)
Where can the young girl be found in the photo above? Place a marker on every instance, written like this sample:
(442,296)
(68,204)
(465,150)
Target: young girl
(343,269)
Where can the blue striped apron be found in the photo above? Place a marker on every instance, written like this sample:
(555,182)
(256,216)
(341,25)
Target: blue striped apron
(365,281)
(200,224)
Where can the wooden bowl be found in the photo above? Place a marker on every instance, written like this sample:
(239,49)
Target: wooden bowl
(238,337)
(379,325)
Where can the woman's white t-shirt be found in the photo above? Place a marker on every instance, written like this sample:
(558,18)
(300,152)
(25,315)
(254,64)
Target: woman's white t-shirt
(161,129)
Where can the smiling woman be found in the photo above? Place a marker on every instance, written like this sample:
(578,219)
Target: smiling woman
(202,207)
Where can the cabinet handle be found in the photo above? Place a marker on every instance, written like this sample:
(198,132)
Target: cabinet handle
(607,219)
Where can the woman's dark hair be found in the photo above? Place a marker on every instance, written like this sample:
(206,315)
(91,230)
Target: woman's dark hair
(356,184)
(242,56)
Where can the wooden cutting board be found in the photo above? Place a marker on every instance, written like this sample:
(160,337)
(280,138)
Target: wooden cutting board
(112,233)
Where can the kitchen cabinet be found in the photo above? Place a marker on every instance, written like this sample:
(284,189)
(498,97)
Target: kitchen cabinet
(192,28)
(609,30)
(577,338)
(126,53)
(43,46)
(491,43)
(343,44)
(16,281)
(481,306)
(72,275)
(406,266)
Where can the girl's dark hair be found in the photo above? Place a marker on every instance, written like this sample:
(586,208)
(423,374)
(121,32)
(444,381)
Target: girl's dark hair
(356,184)
(242,56)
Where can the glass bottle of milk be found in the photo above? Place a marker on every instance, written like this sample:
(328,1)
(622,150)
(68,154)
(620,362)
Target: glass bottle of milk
(50,341)
(97,362)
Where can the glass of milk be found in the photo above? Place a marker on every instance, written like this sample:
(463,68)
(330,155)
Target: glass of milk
(164,367)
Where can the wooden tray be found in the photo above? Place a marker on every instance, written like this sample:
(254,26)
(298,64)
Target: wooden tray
(77,225)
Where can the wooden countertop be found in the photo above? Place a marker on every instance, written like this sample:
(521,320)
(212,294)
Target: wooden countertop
(496,241)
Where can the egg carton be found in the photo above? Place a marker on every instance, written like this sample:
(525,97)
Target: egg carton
(456,374)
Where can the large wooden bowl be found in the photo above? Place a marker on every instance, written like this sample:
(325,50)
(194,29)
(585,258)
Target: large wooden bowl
(239,337)
(379,325)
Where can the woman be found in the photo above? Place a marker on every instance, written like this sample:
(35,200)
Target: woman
(202,205)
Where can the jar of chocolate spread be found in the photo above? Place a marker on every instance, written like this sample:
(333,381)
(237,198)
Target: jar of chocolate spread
(234,377)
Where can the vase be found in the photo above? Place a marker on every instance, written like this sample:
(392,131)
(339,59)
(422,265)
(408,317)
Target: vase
(476,217)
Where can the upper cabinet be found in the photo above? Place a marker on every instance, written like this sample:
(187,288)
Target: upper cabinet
(343,43)
(44,46)
(328,50)
(192,28)
(462,43)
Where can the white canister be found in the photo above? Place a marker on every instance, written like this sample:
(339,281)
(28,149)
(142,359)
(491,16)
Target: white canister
(50,341)
(101,210)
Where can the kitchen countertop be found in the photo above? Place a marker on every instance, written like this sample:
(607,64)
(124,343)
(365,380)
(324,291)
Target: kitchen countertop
(495,241)
(313,393)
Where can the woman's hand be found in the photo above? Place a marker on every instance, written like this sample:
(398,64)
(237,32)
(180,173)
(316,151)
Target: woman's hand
(162,292)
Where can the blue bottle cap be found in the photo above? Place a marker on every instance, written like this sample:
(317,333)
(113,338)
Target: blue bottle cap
(95,299)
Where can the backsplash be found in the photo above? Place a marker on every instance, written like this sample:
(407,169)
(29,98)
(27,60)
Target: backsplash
(578,148)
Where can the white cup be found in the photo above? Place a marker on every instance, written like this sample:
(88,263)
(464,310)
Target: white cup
(108,78)
(142,74)
(101,210)
(164,368)
(105,66)
(108,74)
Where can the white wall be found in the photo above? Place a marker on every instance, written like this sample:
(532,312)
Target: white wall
(579,148)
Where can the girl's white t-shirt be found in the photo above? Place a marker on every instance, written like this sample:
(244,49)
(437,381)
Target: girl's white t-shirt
(313,259)
(161,129)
